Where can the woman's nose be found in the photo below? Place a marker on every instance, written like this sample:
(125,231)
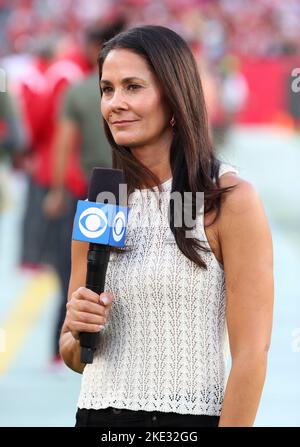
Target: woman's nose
(117,99)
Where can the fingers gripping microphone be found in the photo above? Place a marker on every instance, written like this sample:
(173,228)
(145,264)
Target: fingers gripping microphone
(101,221)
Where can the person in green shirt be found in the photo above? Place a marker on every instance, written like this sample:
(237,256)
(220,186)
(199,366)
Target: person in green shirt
(81,120)
(12,137)
(82,111)
(12,132)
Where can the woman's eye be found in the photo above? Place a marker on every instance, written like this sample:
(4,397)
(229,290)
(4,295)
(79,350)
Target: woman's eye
(105,89)
(133,86)
(130,87)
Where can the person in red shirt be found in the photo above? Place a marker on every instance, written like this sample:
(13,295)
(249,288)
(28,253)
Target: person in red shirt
(46,240)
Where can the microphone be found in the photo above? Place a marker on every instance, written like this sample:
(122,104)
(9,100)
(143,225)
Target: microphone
(100,220)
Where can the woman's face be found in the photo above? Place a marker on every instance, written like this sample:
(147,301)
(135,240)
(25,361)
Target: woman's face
(132,101)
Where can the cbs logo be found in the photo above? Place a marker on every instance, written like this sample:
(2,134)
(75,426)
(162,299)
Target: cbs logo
(93,223)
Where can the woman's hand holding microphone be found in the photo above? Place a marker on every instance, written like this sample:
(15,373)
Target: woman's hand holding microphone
(87,311)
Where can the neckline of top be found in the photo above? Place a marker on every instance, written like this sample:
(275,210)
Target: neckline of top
(163,185)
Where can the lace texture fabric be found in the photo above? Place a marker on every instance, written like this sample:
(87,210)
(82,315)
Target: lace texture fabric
(165,345)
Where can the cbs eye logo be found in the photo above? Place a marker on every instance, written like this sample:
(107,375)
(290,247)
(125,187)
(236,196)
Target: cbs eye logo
(93,222)
(118,226)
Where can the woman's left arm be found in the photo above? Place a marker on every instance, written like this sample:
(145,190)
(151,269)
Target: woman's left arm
(247,252)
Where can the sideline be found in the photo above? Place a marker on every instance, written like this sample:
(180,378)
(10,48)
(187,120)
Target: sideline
(24,315)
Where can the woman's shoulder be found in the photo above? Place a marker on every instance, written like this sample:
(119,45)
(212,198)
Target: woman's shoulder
(234,205)
(242,210)
(241,197)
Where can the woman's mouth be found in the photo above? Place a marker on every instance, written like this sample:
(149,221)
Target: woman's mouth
(122,123)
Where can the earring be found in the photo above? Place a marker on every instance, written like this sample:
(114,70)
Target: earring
(172,122)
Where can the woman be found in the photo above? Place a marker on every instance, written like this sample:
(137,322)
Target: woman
(162,352)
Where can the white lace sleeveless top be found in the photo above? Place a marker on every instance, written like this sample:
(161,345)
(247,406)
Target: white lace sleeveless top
(165,345)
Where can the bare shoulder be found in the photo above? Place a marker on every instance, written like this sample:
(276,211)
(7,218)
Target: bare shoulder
(243,226)
(243,195)
(237,205)
(241,201)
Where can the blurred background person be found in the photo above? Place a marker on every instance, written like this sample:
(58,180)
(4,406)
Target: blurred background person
(79,132)
(211,87)
(44,241)
(233,92)
(12,135)
(41,89)
(80,122)
(12,132)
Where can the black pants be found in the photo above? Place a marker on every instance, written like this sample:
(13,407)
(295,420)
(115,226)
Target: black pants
(113,417)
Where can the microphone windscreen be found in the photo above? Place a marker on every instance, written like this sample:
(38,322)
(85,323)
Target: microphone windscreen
(105,180)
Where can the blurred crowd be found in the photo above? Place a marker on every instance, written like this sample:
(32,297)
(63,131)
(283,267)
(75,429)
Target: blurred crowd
(251,27)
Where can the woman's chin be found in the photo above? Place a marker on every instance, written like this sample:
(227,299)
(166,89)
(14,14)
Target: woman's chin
(125,141)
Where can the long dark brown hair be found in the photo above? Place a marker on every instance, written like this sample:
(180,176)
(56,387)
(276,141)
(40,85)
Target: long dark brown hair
(194,165)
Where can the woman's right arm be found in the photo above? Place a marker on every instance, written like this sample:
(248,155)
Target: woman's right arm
(69,349)
(86,310)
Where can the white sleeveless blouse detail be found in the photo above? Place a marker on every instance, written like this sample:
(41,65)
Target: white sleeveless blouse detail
(165,345)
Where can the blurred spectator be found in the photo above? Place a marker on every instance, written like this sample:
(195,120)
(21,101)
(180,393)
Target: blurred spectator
(233,93)
(292,87)
(244,27)
(12,135)
(44,241)
(80,121)
(41,88)
(235,89)
(12,132)
(210,83)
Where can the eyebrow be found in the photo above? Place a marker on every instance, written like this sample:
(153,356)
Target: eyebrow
(124,80)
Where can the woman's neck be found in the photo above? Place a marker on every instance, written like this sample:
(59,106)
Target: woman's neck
(156,158)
